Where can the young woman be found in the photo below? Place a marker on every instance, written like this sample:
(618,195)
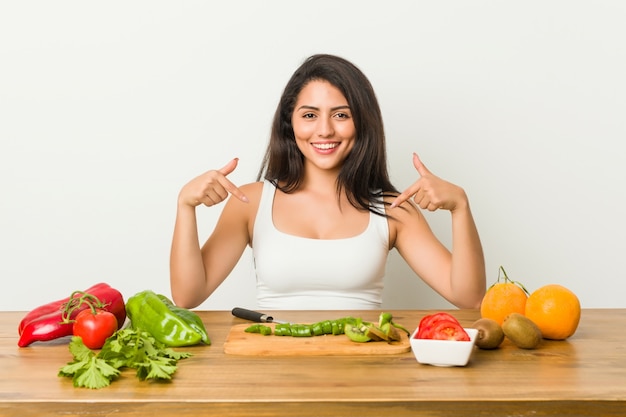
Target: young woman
(323,214)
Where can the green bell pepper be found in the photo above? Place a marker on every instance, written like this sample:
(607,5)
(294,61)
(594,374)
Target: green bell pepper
(147,311)
(189,316)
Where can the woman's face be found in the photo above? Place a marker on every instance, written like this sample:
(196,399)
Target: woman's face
(323,125)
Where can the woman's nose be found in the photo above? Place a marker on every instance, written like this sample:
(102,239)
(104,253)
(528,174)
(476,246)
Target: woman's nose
(325,128)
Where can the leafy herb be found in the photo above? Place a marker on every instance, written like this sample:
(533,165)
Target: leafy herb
(128,348)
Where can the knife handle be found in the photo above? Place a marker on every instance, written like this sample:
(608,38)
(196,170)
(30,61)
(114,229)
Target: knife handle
(244,313)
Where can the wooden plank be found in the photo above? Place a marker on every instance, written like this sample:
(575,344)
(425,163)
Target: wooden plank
(259,408)
(238,342)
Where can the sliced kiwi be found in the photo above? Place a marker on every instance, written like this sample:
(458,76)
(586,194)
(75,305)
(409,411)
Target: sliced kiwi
(490,334)
(391,331)
(357,332)
(376,334)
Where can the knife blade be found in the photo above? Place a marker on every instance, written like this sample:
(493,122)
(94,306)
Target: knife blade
(244,313)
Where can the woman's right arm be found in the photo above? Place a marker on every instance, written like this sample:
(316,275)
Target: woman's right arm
(196,272)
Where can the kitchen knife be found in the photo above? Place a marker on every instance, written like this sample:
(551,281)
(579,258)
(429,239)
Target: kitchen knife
(244,313)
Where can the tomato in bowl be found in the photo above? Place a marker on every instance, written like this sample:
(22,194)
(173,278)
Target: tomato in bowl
(441,340)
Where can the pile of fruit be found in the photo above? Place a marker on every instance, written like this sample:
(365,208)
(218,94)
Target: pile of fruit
(509,310)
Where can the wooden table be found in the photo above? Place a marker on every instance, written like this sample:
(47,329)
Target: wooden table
(585,375)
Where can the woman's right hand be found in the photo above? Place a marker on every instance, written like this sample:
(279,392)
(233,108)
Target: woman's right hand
(211,188)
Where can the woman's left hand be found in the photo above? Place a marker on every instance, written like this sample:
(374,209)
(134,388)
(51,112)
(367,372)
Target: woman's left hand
(431,192)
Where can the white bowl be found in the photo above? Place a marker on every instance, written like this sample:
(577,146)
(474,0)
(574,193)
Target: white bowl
(443,352)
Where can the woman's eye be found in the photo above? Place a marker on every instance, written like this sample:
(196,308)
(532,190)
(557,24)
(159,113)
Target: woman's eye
(342,115)
(308,115)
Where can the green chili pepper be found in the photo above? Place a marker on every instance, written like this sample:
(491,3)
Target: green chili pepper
(327,326)
(189,316)
(387,318)
(384,318)
(283,329)
(301,330)
(259,328)
(148,312)
(253,329)
(317,329)
(331,327)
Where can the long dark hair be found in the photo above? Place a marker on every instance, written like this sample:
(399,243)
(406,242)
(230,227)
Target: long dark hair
(364,175)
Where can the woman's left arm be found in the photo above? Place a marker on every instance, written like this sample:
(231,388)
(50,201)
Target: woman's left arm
(459,275)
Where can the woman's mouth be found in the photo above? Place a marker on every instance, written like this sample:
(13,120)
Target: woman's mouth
(325,146)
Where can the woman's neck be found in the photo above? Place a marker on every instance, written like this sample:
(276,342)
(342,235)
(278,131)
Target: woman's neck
(320,181)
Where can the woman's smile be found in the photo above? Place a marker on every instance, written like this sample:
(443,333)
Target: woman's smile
(325,147)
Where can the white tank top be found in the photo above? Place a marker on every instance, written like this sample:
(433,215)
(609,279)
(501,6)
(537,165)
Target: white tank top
(297,273)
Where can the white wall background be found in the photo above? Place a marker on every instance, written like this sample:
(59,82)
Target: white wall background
(108,108)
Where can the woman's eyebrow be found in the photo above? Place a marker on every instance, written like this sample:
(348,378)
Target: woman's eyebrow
(307,107)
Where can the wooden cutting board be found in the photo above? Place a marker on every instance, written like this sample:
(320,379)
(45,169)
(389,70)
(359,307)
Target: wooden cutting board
(238,342)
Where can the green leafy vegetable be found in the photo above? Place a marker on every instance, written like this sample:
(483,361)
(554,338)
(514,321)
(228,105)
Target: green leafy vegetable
(128,348)
(87,369)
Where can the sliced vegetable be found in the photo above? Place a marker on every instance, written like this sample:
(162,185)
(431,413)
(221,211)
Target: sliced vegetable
(259,328)
(282,329)
(427,323)
(384,318)
(301,330)
(331,327)
(356,329)
(388,326)
(449,330)
(441,326)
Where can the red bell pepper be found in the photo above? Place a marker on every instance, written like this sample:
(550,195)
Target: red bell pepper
(55,306)
(54,320)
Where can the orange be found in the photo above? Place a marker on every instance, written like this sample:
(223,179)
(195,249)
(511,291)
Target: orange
(502,299)
(555,310)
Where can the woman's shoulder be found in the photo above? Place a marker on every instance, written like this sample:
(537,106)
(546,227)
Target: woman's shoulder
(236,207)
(407,211)
(252,186)
(407,216)
(253,190)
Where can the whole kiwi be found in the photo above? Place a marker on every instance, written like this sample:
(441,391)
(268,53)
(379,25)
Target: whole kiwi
(490,334)
(522,331)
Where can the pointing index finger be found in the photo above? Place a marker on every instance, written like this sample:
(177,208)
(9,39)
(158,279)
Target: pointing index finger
(228,185)
(404,195)
(229,167)
(419,165)
(234,190)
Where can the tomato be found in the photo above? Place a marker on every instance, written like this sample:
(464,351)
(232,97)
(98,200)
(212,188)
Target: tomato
(449,330)
(428,322)
(94,328)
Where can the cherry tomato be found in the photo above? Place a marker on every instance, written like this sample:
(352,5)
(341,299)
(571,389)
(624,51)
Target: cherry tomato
(94,329)
(428,322)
